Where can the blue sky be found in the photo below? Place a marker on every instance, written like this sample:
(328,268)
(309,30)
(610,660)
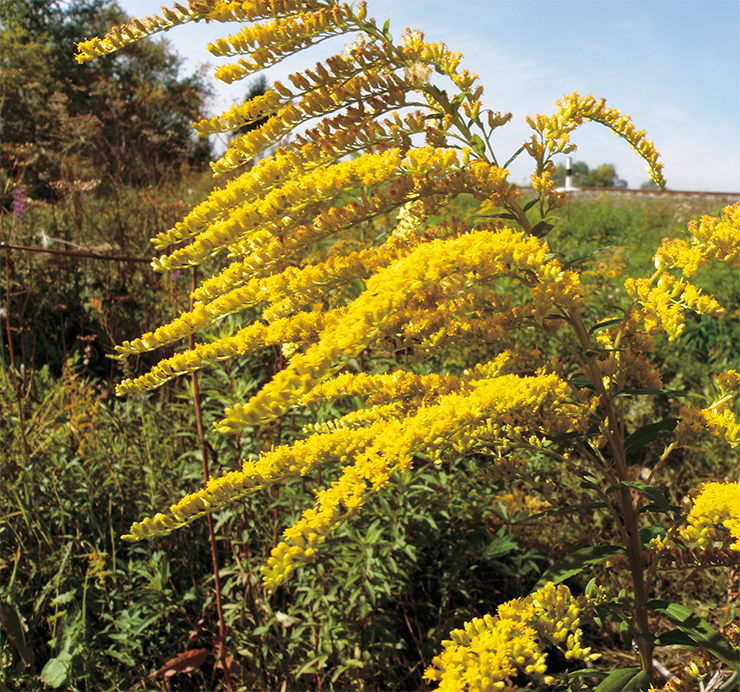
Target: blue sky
(673,65)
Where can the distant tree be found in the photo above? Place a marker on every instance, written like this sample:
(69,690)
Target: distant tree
(649,185)
(603,176)
(125,118)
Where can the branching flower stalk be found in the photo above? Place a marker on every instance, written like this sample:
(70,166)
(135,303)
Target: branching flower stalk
(345,238)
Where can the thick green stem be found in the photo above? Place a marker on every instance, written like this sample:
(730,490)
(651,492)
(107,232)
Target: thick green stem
(630,516)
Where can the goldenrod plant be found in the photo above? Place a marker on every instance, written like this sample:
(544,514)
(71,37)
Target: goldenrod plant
(508,359)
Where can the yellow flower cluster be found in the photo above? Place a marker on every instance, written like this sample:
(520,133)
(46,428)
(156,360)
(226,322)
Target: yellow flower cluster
(218,10)
(554,131)
(665,302)
(121,36)
(489,652)
(711,239)
(665,298)
(413,283)
(718,504)
(302,327)
(718,418)
(284,36)
(271,467)
(520,504)
(288,292)
(286,219)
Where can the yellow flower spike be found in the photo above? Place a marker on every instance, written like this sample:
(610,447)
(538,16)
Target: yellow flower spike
(716,504)
(572,111)
(135,31)
(488,652)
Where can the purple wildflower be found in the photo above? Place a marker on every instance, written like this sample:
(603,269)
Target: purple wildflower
(19,206)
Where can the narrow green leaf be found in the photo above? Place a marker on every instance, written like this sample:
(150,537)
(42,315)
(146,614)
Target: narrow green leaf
(498,547)
(652,493)
(122,656)
(457,101)
(648,433)
(530,204)
(699,630)
(582,383)
(576,562)
(478,145)
(566,437)
(572,509)
(626,633)
(605,324)
(641,681)
(617,680)
(386,31)
(666,392)
(516,153)
(675,638)
(541,229)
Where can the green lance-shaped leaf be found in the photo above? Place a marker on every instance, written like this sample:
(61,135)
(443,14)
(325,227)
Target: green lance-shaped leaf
(654,494)
(478,145)
(620,679)
(648,433)
(699,630)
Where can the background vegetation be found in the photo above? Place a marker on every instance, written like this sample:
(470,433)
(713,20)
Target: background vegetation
(80,610)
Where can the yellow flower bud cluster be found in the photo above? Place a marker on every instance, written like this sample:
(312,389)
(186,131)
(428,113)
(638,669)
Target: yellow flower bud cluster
(344,497)
(520,504)
(365,75)
(284,36)
(488,652)
(718,504)
(483,410)
(700,667)
(271,467)
(558,617)
(665,298)
(294,204)
(421,56)
(399,386)
(252,10)
(303,327)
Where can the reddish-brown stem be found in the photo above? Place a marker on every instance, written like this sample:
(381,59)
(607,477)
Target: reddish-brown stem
(16,386)
(211,530)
